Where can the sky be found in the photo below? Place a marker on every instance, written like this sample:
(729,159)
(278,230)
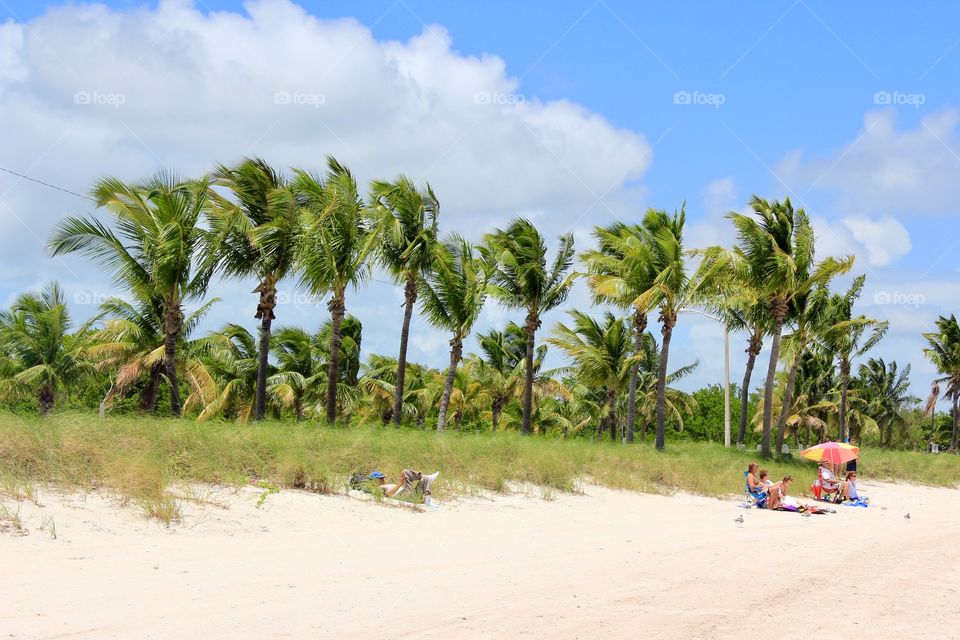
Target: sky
(570,113)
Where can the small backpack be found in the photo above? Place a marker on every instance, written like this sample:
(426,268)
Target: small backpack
(358,481)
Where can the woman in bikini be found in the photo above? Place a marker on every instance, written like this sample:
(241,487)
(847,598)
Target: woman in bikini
(777,491)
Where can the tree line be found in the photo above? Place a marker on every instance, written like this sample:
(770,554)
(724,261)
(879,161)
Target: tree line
(163,240)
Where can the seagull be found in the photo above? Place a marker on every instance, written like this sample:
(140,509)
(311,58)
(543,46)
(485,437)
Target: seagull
(907,517)
(805,514)
(739,520)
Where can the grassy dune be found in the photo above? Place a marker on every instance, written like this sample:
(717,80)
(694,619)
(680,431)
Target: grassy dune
(144,459)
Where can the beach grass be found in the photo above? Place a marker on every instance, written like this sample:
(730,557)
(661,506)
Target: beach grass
(143,460)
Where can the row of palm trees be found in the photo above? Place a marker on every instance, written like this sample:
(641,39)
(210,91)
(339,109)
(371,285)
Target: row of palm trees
(169,237)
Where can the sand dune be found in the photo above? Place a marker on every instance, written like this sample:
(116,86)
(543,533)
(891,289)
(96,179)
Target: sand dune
(605,564)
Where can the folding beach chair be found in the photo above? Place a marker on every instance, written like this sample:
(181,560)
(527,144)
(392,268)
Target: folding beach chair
(823,486)
(753,498)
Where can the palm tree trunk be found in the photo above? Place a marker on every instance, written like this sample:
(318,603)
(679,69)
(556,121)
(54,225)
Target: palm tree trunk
(668,321)
(172,322)
(612,413)
(298,406)
(753,350)
(779,311)
(639,327)
(46,398)
(456,351)
(148,400)
(533,321)
(337,307)
(956,423)
(844,384)
(495,408)
(268,295)
(787,403)
(410,299)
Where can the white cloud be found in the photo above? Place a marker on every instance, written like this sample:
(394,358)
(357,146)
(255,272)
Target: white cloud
(86,91)
(886,170)
(876,242)
(885,239)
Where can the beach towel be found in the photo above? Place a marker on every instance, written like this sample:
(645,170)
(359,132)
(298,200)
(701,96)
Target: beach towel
(859,502)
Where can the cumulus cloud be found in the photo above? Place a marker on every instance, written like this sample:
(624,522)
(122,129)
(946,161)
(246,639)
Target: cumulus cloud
(876,242)
(87,90)
(885,169)
(884,239)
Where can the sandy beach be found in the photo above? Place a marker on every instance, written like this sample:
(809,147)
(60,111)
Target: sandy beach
(604,564)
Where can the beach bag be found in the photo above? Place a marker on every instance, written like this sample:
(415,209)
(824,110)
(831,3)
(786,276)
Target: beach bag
(358,481)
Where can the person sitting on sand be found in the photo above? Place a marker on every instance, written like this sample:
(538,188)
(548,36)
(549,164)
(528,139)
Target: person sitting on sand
(764,478)
(849,487)
(828,481)
(413,482)
(777,492)
(753,481)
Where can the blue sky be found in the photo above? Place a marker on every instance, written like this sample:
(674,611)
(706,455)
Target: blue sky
(847,108)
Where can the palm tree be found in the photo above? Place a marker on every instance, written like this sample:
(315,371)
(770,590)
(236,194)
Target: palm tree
(453,295)
(808,312)
(153,252)
(254,232)
(673,289)
(741,309)
(224,382)
(501,371)
(887,391)
(299,366)
(43,357)
(944,353)
(334,249)
(621,269)
(848,338)
(378,385)
(407,223)
(676,403)
(775,257)
(600,355)
(930,406)
(132,343)
(521,279)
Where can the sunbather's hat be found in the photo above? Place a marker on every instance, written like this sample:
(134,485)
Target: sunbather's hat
(376,475)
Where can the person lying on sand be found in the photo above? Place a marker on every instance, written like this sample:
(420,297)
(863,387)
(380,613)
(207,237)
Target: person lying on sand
(777,492)
(414,482)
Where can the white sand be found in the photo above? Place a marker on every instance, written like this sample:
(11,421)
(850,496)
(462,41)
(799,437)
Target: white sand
(606,564)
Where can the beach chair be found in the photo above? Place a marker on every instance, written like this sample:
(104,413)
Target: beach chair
(756,499)
(822,486)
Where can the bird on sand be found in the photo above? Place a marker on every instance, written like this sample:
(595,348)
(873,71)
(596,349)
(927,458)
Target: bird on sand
(739,520)
(907,517)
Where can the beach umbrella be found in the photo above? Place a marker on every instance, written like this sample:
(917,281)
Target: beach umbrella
(832,452)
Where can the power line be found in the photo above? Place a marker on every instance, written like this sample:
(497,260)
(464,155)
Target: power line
(47,184)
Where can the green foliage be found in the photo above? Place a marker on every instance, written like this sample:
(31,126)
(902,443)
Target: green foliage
(142,458)
(706,421)
(39,355)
